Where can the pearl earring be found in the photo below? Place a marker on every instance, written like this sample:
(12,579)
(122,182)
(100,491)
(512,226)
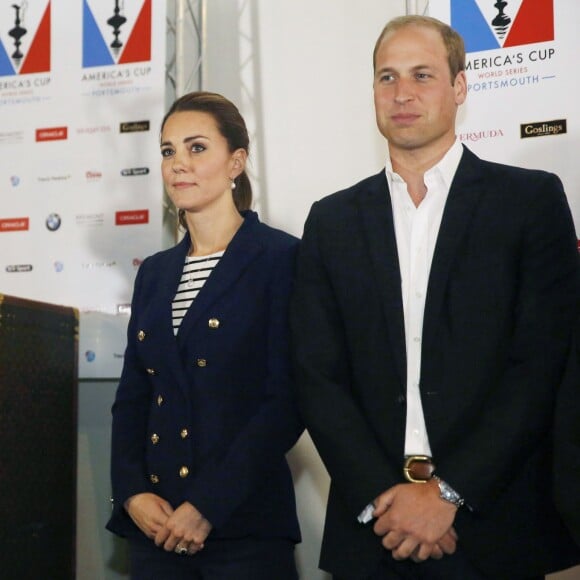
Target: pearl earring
(233,185)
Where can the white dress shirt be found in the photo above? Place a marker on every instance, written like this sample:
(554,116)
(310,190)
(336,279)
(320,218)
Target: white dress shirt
(416,231)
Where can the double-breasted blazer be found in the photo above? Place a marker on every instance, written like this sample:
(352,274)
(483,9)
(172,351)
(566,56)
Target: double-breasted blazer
(207,416)
(502,293)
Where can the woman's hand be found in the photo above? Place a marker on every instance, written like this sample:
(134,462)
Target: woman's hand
(186,527)
(149,512)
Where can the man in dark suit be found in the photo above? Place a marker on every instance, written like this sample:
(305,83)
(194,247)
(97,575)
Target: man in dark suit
(431,318)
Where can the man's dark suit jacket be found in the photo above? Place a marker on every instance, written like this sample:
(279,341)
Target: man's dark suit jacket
(502,294)
(217,399)
(567,442)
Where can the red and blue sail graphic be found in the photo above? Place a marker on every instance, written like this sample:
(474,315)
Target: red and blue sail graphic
(36,59)
(533,22)
(99,52)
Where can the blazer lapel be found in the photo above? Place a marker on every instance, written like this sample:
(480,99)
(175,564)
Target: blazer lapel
(377,216)
(461,204)
(173,270)
(241,251)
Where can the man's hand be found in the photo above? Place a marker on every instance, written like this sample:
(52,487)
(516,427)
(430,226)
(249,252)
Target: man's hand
(149,512)
(415,522)
(186,527)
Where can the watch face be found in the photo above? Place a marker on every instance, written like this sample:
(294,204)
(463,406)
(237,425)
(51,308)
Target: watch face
(449,494)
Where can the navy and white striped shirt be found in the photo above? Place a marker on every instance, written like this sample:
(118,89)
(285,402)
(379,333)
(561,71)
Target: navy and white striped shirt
(196,271)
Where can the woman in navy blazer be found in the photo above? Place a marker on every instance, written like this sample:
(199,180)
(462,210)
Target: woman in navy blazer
(205,412)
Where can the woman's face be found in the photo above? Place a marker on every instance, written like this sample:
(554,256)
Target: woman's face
(197,165)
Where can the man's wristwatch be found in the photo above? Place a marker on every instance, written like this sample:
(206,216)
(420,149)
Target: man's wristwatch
(447,493)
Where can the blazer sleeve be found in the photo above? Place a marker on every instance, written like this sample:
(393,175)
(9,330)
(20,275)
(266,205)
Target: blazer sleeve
(130,415)
(225,483)
(349,450)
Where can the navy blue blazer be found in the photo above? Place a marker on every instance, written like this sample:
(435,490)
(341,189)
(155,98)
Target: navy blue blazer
(208,416)
(502,297)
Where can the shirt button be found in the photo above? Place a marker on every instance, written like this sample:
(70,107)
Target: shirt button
(417,339)
(213,323)
(159,400)
(201,362)
(183,472)
(184,433)
(154,438)
(141,336)
(154,478)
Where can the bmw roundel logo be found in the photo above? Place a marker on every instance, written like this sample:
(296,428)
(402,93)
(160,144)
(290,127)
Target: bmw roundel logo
(53,222)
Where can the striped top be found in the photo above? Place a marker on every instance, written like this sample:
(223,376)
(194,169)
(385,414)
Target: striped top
(196,271)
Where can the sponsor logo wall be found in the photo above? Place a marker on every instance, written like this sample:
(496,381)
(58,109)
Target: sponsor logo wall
(521,108)
(77,102)
(81,99)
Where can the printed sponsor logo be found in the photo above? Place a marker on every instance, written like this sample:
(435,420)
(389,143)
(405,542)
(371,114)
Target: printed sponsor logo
(47,178)
(52,134)
(128,24)
(474,136)
(135,171)
(25,38)
(90,219)
(488,25)
(53,222)
(132,217)
(93,175)
(14,224)
(124,308)
(543,128)
(11,137)
(17,268)
(134,126)
(98,265)
(97,130)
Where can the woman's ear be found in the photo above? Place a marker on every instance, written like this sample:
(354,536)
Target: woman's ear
(239,158)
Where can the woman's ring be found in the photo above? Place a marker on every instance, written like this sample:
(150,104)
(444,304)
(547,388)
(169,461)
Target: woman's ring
(180,550)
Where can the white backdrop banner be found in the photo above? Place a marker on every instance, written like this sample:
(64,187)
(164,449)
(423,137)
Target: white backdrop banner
(81,99)
(522,106)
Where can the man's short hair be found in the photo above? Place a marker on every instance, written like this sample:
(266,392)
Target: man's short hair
(451,39)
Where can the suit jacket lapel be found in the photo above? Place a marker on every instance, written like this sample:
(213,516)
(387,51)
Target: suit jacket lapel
(461,204)
(377,216)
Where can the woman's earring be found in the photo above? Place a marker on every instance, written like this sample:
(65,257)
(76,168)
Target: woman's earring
(233,184)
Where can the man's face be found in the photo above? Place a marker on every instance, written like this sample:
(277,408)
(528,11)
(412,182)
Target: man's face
(415,100)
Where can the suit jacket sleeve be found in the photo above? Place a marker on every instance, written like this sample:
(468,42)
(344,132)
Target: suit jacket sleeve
(567,443)
(516,364)
(350,451)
